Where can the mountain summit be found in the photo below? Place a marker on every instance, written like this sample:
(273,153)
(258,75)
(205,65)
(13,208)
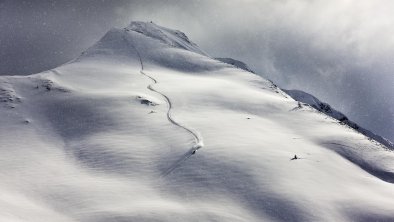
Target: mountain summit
(144,126)
(173,38)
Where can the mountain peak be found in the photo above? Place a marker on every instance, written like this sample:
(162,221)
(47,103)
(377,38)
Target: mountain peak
(148,41)
(146,36)
(171,37)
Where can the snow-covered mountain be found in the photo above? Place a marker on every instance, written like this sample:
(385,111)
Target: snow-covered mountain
(308,99)
(144,126)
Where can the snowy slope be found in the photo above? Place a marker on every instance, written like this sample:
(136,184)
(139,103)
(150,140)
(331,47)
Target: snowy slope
(327,109)
(236,63)
(110,136)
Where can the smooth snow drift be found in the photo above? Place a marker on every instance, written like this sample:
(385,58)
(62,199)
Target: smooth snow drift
(110,137)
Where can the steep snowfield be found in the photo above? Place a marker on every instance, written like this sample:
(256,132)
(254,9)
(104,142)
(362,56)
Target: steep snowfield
(110,136)
(308,99)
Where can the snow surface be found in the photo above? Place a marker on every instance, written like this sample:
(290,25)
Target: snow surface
(308,99)
(236,63)
(78,144)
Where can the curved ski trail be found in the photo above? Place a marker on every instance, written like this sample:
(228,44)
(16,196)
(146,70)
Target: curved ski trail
(197,139)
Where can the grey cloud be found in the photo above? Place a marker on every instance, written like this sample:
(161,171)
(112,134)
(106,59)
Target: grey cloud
(38,35)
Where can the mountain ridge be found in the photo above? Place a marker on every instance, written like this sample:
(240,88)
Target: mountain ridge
(311,100)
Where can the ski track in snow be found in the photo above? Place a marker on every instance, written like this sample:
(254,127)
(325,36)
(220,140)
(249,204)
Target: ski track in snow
(197,139)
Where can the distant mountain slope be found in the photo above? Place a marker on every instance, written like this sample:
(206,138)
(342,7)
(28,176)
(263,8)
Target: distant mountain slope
(236,63)
(143,126)
(327,109)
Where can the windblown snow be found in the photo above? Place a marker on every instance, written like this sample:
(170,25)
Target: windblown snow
(308,99)
(236,63)
(144,126)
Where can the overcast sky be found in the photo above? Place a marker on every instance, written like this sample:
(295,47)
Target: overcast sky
(342,51)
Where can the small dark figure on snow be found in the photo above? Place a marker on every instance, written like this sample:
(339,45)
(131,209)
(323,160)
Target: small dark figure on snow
(294,158)
(193,152)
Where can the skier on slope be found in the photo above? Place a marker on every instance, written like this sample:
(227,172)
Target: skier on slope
(294,158)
